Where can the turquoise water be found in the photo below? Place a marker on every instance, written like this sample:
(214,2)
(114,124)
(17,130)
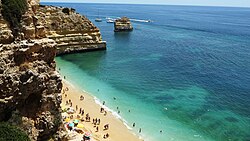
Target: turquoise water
(187,73)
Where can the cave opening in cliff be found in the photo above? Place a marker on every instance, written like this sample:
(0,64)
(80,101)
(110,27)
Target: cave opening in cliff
(31,105)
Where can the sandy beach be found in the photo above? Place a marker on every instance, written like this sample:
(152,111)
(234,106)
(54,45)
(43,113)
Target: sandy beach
(116,131)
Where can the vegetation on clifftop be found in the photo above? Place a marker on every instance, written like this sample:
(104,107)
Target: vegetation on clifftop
(11,133)
(12,11)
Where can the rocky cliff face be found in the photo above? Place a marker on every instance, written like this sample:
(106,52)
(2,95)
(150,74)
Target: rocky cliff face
(30,87)
(72,31)
(5,32)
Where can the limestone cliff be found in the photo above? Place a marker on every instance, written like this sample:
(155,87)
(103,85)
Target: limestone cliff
(30,87)
(5,32)
(72,31)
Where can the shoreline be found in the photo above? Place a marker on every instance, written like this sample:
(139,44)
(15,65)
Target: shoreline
(118,128)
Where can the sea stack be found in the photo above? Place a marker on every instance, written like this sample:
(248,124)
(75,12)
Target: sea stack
(123,24)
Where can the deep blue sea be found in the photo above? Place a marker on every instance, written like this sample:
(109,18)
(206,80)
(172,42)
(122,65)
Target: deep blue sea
(187,73)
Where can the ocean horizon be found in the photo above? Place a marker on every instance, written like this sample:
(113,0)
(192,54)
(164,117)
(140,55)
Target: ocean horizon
(186,74)
(152,4)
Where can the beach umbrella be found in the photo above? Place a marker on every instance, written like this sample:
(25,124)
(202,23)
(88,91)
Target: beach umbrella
(76,121)
(71,124)
(67,119)
(80,125)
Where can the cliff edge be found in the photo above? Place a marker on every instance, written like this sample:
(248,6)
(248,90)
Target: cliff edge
(71,31)
(30,86)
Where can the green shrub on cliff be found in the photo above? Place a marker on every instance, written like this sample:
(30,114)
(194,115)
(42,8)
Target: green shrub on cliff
(11,133)
(12,11)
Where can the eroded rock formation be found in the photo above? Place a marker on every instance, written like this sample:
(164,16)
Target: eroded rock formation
(30,87)
(72,31)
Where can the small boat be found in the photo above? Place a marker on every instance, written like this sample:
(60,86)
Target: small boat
(110,21)
(98,20)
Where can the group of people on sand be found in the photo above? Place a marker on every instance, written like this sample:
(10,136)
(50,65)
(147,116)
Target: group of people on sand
(81,111)
(96,121)
(103,111)
(86,117)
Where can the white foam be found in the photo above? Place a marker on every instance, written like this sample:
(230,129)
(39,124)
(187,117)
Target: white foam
(197,136)
(139,20)
(114,113)
(68,83)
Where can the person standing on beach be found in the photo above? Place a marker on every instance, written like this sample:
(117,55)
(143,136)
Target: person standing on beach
(80,111)
(97,129)
(140,130)
(133,124)
(99,121)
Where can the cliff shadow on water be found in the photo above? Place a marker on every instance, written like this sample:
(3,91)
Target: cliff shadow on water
(87,59)
(122,36)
